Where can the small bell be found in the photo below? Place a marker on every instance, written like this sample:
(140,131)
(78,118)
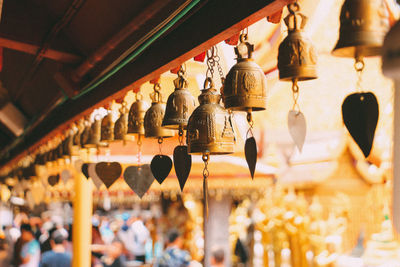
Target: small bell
(245,86)
(84,136)
(363,25)
(68,144)
(121,125)
(107,128)
(297,57)
(180,104)
(136,116)
(210,128)
(154,117)
(94,135)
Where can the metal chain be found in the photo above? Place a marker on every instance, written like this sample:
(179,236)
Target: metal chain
(139,143)
(359,67)
(180,135)
(206,173)
(295,91)
(213,60)
(160,141)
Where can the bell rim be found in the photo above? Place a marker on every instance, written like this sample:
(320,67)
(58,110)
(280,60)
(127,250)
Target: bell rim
(351,51)
(174,126)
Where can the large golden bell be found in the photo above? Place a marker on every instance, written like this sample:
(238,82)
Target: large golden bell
(209,127)
(107,128)
(297,58)
(136,116)
(245,86)
(363,25)
(180,105)
(121,125)
(154,117)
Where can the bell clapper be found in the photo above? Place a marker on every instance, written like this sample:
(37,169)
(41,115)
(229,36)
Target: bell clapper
(206,173)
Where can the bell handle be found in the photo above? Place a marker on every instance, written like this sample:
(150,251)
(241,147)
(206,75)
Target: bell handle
(208,83)
(139,96)
(244,47)
(294,18)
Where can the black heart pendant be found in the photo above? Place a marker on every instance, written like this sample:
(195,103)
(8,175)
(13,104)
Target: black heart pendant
(250,151)
(85,170)
(360,113)
(182,164)
(53,179)
(108,172)
(161,166)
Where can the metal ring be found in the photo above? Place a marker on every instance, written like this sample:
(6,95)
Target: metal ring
(359,64)
(206,156)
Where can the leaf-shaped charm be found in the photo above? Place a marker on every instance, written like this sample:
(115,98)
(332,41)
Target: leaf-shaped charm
(360,113)
(78,165)
(65,175)
(85,170)
(250,151)
(161,166)
(108,172)
(92,174)
(182,164)
(139,178)
(53,179)
(297,128)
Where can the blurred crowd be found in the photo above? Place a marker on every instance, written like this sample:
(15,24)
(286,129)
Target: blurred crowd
(117,241)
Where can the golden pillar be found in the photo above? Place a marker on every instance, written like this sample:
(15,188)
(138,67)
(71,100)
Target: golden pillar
(82,224)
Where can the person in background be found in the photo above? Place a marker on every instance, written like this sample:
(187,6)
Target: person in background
(134,238)
(30,252)
(113,255)
(57,256)
(217,258)
(174,255)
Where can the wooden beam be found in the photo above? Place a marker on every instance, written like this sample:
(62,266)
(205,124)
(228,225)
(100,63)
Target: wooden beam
(60,56)
(214,22)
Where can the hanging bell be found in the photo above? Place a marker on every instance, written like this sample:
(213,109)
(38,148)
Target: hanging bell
(121,125)
(84,136)
(154,117)
(94,135)
(297,57)
(67,145)
(180,104)
(136,116)
(210,128)
(363,25)
(245,86)
(107,128)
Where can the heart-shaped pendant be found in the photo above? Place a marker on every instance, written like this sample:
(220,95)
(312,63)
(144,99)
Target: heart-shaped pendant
(161,166)
(92,174)
(360,113)
(78,165)
(139,178)
(250,151)
(85,171)
(108,172)
(297,128)
(65,175)
(182,164)
(53,179)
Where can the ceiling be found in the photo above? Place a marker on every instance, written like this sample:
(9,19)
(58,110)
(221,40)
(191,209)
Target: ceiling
(61,58)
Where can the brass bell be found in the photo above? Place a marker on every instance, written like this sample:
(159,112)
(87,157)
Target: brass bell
(180,104)
(245,86)
(84,137)
(68,144)
(136,116)
(209,127)
(77,136)
(107,128)
(95,135)
(363,25)
(121,125)
(154,117)
(297,57)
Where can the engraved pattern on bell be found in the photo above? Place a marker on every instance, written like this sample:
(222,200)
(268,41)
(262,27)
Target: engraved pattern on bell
(363,25)
(210,126)
(121,127)
(180,105)
(107,128)
(297,57)
(245,86)
(136,117)
(153,120)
